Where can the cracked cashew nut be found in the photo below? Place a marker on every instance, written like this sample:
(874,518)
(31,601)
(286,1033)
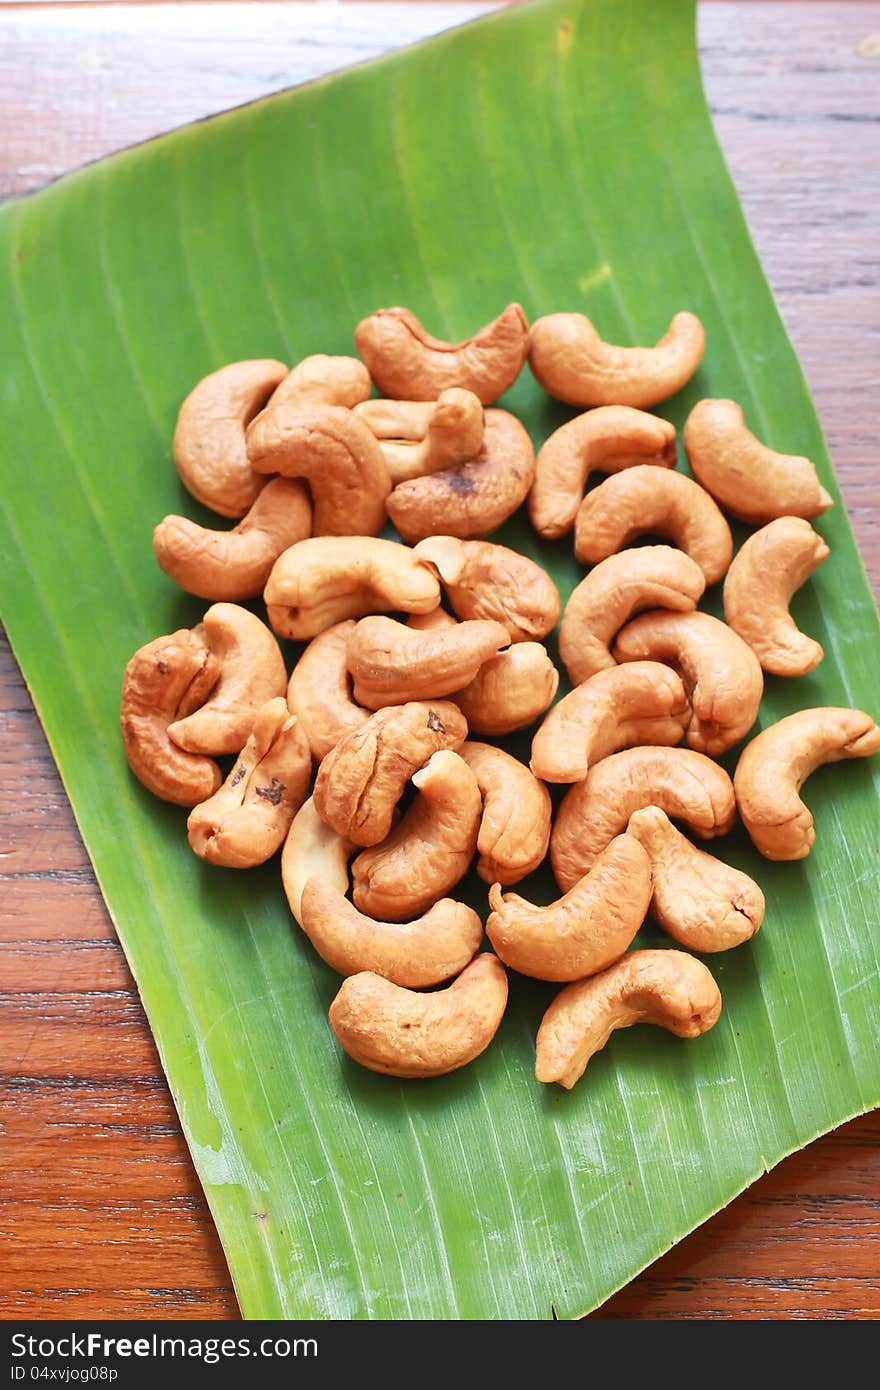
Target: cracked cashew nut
(767,570)
(422,437)
(312,848)
(483,580)
(515,825)
(408,364)
(319,690)
(572,363)
(391,663)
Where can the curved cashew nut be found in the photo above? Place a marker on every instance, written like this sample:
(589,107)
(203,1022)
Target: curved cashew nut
(391,663)
(775,765)
(403,1033)
(751,481)
(428,851)
(319,690)
(684,784)
(767,570)
(572,363)
(474,499)
(489,581)
(510,691)
(722,676)
(322,581)
(245,822)
(611,439)
(421,437)
(163,679)
(209,441)
(324,380)
(252,671)
(361,780)
(653,576)
(698,900)
(582,932)
(515,826)
(312,849)
(622,707)
(407,363)
(337,455)
(658,501)
(235,564)
(669,988)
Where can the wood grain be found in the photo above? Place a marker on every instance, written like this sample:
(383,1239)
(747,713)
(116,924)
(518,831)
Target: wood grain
(102,1214)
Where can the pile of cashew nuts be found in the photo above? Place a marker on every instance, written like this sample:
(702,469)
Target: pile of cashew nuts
(413,648)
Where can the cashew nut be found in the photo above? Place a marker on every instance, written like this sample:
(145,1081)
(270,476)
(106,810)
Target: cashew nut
(510,690)
(391,663)
(428,851)
(421,437)
(653,576)
(163,679)
(403,1033)
(582,932)
(658,501)
(252,671)
(209,441)
(324,380)
(775,765)
(572,363)
(413,955)
(245,822)
(669,988)
(684,784)
(767,570)
(361,780)
(321,581)
(702,902)
(611,438)
(751,481)
(489,581)
(407,363)
(312,848)
(319,690)
(474,499)
(235,564)
(515,826)
(642,703)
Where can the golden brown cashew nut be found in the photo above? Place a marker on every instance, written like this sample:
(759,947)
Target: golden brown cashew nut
(474,499)
(319,690)
(414,954)
(572,363)
(669,988)
(750,481)
(421,437)
(252,671)
(336,454)
(403,1033)
(428,851)
(700,901)
(164,679)
(611,439)
(489,581)
(767,570)
(775,765)
(654,576)
(515,826)
(245,822)
(361,780)
(684,784)
(324,380)
(722,676)
(407,363)
(582,932)
(235,564)
(209,441)
(312,849)
(391,663)
(658,501)
(510,691)
(643,703)
(322,581)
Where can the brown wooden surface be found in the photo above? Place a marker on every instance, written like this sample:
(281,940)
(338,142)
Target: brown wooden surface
(102,1214)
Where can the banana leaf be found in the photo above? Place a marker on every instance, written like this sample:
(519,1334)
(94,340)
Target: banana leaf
(560,154)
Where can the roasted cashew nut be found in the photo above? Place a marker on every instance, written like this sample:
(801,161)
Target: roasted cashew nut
(319,690)
(510,691)
(703,903)
(653,576)
(403,1033)
(611,439)
(391,663)
(669,988)
(421,437)
(407,363)
(572,363)
(749,480)
(515,825)
(324,380)
(582,932)
(775,765)
(482,580)
(312,849)
(767,570)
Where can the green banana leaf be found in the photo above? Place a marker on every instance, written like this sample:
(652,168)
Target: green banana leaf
(560,154)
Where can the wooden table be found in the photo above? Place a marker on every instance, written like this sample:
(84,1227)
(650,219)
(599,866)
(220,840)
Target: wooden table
(102,1213)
